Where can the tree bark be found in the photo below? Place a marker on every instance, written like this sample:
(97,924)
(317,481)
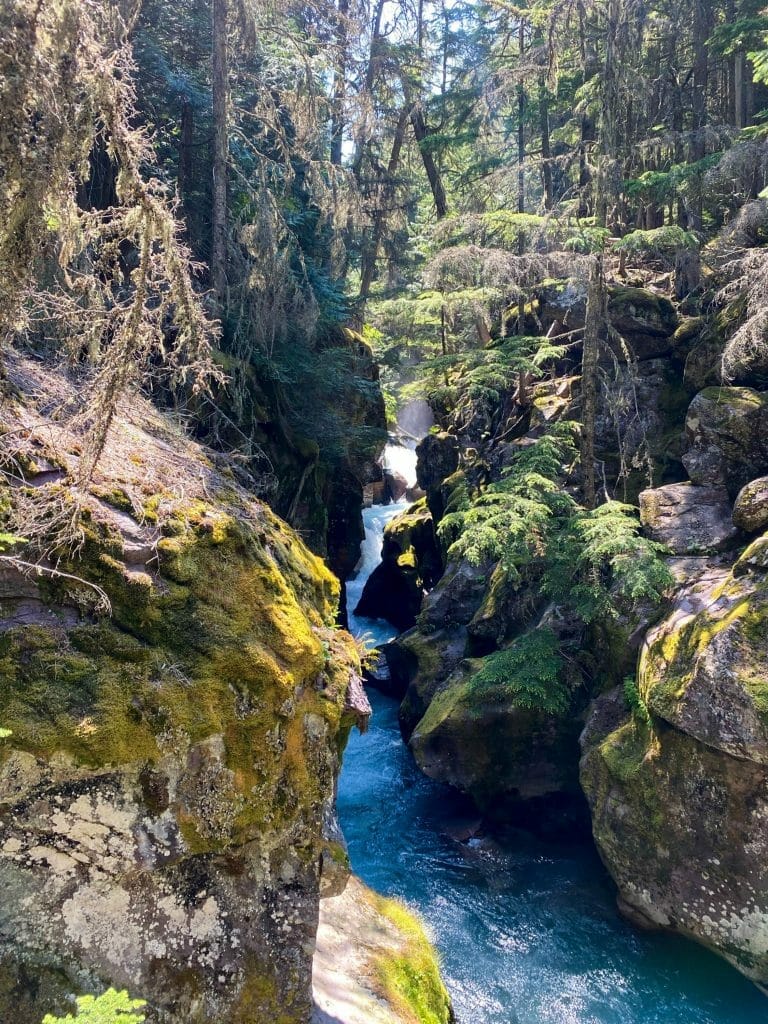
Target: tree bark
(421,134)
(185,147)
(593,329)
(371,252)
(339,85)
(220,83)
(546,149)
(521,123)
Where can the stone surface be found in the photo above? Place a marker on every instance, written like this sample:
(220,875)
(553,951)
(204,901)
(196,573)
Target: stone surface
(645,319)
(438,459)
(410,566)
(172,764)
(479,742)
(727,437)
(679,798)
(750,510)
(688,519)
(362,941)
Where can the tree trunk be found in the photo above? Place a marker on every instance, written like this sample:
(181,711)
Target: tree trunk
(593,329)
(521,124)
(371,252)
(687,273)
(546,149)
(185,148)
(421,135)
(701,27)
(220,83)
(339,85)
(738,90)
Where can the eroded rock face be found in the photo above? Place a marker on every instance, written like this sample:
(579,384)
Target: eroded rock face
(727,437)
(680,800)
(480,742)
(438,459)
(164,791)
(688,519)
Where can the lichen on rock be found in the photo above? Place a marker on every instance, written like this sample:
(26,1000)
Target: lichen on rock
(164,787)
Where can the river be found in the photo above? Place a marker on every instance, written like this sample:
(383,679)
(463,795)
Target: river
(527,930)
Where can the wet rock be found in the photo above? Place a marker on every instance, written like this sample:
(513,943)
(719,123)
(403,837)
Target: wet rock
(438,459)
(688,519)
(750,510)
(480,742)
(727,437)
(410,565)
(395,485)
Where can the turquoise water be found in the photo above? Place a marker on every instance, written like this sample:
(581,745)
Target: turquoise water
(527,930)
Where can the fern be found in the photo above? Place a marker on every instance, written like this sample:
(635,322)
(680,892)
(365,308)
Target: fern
(513,518)
(529,673)
(601,562)
(634,700)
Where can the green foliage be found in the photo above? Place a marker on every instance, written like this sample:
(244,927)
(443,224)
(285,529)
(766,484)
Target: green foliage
(664,241)
(601,563)
(529,672)
(586,239)
(513,519)
(110,1008)
(5,733)
(634,700)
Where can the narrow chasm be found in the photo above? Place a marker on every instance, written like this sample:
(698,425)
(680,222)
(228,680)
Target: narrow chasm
(525,927)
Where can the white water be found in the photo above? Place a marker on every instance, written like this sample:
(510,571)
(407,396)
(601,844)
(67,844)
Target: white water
(400,460)
(396,459)
(377,631)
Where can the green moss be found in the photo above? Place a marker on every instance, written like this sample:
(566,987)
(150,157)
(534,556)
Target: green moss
(691,327)
(644,304)
(667,666)
(234,640)
(409,978)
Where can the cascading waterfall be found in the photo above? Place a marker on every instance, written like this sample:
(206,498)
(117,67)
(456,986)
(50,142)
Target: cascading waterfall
(527,930)
(400,460)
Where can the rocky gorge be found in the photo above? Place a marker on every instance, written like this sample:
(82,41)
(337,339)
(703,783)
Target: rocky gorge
(663,718)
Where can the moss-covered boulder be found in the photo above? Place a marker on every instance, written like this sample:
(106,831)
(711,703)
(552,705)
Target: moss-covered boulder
(727,437)
(483,739)
(750,510)
(645,319)
(679,790)
(163,791)
(375,963)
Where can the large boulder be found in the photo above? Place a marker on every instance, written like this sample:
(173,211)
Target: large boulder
(727,437)
(750,510)
(170,766)
(679,789)
(500,752)
(645,319)
(375,964)
(688,519)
